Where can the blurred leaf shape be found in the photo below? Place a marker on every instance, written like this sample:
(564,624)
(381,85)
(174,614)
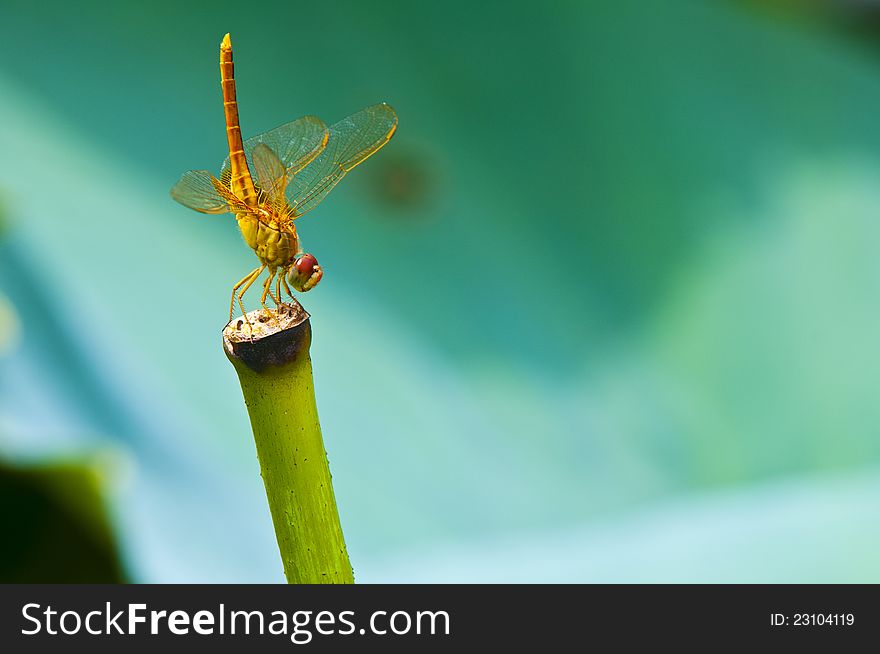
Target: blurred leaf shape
(56,527)
(10,328)
(853,18)
(4,224)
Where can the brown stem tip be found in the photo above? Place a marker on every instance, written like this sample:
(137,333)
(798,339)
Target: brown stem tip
(268,337)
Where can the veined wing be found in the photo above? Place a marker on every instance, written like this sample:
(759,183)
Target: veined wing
(352,140)
(196,190)
(271,176)
(295,143)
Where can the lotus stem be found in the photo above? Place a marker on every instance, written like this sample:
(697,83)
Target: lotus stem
(270,353)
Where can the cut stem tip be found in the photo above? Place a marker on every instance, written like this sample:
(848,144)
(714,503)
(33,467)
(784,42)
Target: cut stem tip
(268,337)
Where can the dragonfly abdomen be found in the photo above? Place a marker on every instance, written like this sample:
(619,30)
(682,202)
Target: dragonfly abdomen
(274,245)
(240,179)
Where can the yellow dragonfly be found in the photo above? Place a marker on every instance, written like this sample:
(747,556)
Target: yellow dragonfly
(272,179)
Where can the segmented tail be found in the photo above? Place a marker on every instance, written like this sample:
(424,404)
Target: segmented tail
(241,182)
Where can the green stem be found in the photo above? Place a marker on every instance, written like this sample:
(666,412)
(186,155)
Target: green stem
(275,372)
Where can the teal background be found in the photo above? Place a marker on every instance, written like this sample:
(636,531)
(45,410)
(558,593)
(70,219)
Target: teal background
(604,310)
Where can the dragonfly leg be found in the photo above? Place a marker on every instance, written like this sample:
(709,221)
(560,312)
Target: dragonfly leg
(275,298)
(238,286)
(250,280)
(283,278)
(267,290)
(278,288)
(267,285)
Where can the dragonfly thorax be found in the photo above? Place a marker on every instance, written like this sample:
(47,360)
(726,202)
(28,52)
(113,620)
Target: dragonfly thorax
(274,240)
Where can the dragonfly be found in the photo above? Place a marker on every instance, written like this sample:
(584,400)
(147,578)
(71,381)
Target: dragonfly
(270,180)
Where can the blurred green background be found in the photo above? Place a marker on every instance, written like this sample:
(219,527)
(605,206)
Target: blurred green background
(604,310)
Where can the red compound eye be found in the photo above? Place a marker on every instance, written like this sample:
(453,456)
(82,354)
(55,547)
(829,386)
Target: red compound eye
(305,264)
(305,273)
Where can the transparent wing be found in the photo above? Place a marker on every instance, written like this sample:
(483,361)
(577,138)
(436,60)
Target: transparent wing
(351,141)
(196,190)
(295,144)
(271,176)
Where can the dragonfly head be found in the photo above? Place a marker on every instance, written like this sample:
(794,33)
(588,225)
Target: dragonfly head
(305,273)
